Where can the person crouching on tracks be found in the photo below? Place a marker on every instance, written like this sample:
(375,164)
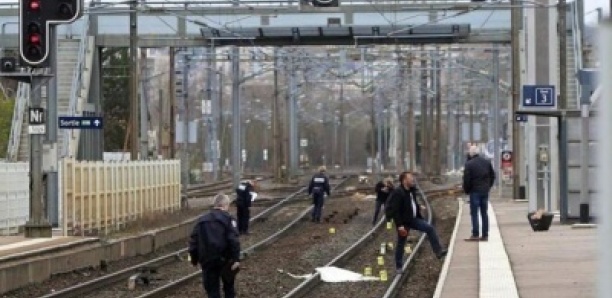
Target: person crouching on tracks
(383,189)
(244,197)
(215,246)
(319,186)
(404,209)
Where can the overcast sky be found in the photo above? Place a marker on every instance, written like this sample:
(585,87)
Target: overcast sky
(591,5)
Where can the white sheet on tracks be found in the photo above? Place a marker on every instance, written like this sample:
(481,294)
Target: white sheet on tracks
(335,274)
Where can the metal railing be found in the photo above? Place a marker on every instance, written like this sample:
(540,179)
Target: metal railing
(77,82)
(21,101)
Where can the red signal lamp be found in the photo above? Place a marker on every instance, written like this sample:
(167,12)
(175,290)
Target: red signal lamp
(35,5)
(34,38)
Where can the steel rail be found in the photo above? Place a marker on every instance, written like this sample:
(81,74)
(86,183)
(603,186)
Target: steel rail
(87,287)
(171,287)
(306,287)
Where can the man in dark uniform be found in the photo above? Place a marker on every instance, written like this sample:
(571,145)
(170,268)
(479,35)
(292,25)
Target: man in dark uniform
(214,245)
(244,197)
(404,209)
(383,189)
(319,186)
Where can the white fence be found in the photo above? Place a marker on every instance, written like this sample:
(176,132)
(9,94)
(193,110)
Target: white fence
(14,196)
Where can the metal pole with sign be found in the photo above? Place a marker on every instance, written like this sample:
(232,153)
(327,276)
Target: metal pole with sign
(38,225)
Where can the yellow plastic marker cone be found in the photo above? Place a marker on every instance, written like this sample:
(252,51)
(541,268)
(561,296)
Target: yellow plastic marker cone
(383,275)
(390,245)
(389,226)
(332,231)
(407,249)
(367,271)
(381,261)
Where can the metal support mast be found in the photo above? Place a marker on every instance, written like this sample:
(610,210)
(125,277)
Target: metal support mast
(133,81)
(51,176)
(293,133)
(562,31)
(236,146)
(438,149)
(516,85)
(276,128)
(38,224)
(496,108)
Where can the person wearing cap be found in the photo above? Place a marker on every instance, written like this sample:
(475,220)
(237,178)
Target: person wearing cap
(478,179)
(214,245)
(244,197)
(383,189)
(319,186)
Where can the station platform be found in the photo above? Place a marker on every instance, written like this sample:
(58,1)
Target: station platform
(518,262)
(19,247)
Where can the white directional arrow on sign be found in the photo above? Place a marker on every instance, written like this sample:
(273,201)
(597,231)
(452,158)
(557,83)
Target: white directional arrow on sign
(97,122)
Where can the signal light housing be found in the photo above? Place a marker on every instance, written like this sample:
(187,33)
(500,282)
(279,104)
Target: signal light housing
(35,19)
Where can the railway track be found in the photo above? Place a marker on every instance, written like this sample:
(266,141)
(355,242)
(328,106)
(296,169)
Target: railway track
(144,272)
(313,287)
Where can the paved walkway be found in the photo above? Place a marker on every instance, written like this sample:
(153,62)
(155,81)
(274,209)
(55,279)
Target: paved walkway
(517,262)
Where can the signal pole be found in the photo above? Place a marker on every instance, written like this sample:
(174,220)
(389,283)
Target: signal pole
(38,225)
(133,83)
(37,49)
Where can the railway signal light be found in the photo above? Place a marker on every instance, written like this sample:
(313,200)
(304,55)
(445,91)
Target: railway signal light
(35,19)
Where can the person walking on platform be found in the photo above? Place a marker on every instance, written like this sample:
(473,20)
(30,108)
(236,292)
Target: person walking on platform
(404,209)
(478,178)
(214,245)
(244,197)
(383,189)
(319,186)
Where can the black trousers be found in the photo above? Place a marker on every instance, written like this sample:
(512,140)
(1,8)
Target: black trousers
(243,215)
(212,277)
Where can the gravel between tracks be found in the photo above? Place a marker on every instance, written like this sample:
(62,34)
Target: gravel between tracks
(65,280)
(425,272)
(423,278)
(307,246)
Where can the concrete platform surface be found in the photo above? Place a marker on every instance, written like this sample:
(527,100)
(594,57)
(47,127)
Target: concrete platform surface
(561,262)
(14,247)
(518,262)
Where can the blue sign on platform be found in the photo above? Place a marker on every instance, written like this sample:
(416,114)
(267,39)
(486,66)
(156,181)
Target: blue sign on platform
(520,118)
(80,122)
(539,96)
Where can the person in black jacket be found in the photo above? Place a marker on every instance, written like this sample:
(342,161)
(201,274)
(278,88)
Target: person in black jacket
(319,186)
(478,178)
(244,198)
(214,245)
(404,209)
(383,189)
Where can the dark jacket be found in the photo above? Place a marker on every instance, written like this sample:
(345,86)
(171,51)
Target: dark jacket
(382,195)
(214,238)
(319,184)
(399,207)
(243,195)
(478,175)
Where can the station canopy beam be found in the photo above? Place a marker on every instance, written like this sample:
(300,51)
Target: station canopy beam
(337,35)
